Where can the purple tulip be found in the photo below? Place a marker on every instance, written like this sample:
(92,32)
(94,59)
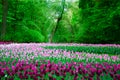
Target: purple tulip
(42,66)
(47,70)
(112,74)
(90,75)
(90,78)
(93,70)
(76,77)
(99,72)
(2,74)
(118,66)
(98,78)
(35,78)
(57,73)
(117,76)
(11,79)
(84,71)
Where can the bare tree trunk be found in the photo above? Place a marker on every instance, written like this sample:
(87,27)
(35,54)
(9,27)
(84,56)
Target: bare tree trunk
(4,18)
(57,24)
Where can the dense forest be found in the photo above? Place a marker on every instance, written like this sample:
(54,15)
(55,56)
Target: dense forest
(63,21)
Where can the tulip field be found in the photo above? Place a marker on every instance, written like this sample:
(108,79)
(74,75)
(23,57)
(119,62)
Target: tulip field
(50,61)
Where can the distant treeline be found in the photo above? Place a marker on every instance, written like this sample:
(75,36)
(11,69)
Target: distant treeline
(80,21)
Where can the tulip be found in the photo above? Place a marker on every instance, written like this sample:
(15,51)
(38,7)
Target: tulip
(90,78)
(93,70)
(57,73)
(98,78)
(99,72)
(47,70)
(42,66)
(35,78)
(117,76)
(11,79)
(75,77)
(112,74)
(2,74)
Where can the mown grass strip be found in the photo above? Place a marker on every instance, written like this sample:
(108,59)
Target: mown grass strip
(88,49)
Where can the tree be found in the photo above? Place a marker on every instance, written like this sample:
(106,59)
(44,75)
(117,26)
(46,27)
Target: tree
(4,18)
(99,21)
(82,21)
(60,15)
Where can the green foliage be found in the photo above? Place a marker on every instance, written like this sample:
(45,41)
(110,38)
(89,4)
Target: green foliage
(89,21)
(88,49)
(24,34)
(100,21)
(63,33)
(23,23)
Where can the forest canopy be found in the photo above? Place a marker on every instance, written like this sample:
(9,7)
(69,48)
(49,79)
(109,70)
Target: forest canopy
(60,21)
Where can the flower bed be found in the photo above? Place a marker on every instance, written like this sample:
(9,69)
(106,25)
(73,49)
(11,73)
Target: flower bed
(46,70)
(34,51)
(34,62)
(8,42)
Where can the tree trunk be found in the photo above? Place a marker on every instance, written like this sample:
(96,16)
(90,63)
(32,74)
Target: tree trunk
(4,18)
(57,24)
